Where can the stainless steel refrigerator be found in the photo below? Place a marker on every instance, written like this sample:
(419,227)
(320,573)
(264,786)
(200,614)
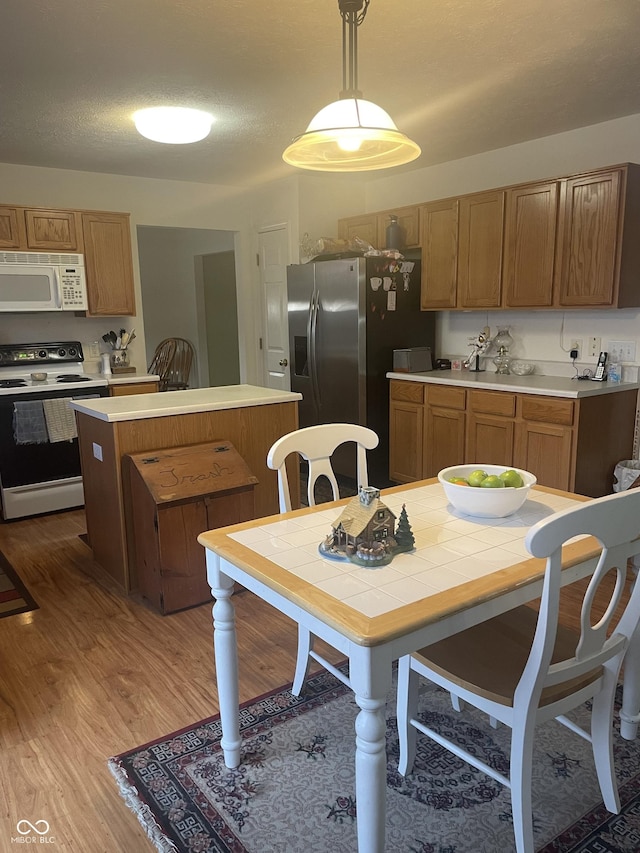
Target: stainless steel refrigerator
(345,319)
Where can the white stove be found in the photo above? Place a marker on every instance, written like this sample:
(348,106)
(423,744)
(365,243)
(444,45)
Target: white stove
(61,362)
(39,456)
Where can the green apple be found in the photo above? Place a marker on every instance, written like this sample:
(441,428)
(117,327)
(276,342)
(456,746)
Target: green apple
(459,481)
(512,479)
(477,477)
(492,482)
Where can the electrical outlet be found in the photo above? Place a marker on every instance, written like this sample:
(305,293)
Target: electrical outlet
(576,344)
(595,347)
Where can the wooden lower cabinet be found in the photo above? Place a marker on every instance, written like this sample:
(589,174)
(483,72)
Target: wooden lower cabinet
(545,437)
(133,388)
(405,452)
(406,419)
(490,427)
(445,422)
(568,443)
(489,439)
(547,451)
(443,439)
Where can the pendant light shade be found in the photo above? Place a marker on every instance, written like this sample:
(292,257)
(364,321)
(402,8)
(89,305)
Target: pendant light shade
(351,134)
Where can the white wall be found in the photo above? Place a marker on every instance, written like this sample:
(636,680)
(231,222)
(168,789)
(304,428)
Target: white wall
(539,336)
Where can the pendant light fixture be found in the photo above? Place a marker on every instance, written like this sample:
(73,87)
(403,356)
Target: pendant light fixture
(351,134)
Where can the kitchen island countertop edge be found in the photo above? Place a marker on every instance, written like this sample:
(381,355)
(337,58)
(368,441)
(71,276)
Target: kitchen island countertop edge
(168,403)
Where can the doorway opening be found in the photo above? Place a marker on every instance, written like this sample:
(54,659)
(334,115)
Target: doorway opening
(188,285)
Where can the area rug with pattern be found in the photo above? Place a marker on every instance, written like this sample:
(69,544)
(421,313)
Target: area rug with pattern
(294,790)
(14,596)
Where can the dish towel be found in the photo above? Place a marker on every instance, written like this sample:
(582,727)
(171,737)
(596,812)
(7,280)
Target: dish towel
(29,425)
(61,420)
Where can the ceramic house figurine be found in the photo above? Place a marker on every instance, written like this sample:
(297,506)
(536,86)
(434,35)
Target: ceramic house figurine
(366,532)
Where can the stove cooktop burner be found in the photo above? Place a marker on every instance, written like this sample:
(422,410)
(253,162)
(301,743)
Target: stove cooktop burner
(72,377)
(12,383)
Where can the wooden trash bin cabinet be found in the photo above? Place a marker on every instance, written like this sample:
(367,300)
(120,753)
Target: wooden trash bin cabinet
(176,494)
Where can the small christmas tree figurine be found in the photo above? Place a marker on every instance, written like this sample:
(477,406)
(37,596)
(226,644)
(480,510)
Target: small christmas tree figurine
(404,535)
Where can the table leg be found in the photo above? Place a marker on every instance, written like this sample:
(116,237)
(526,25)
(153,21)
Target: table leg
(226,656)
(371,774)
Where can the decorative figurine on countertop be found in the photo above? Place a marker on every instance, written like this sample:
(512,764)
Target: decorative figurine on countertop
(366,533)
(480,345)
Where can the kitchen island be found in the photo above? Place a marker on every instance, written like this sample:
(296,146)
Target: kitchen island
(248,416)
(570,433)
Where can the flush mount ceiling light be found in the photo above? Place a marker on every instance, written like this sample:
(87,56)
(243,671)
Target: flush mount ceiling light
(351,135)
(175,125)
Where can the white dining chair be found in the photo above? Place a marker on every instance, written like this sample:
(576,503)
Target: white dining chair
(316,445)
(523,667)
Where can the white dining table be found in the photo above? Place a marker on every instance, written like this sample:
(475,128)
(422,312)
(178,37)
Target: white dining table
(462,571)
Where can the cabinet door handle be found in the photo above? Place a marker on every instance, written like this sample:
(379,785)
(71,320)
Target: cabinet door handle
(283,362)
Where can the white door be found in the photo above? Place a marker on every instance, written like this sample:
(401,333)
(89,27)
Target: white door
(273,245)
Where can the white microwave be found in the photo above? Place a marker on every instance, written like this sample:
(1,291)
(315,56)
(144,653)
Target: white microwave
(38,281)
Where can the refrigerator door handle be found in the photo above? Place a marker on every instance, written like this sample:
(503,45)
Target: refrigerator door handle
(312,331)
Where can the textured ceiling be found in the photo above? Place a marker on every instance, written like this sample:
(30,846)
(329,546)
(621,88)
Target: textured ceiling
(459,76)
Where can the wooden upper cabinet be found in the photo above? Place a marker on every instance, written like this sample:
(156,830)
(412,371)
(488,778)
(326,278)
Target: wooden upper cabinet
(408,220)
(12,234)
(365,227)
(562,242)
(53,230)
(108,264)
(531,216)
(439,241)
(372,227)
(591,208)
(599,245)
(480,231)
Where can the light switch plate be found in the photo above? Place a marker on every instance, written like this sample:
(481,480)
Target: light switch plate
(624,351)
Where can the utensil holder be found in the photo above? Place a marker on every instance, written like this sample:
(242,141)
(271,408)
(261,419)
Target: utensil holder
(119,358)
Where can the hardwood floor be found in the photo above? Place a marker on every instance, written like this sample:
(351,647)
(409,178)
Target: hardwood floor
(93,673)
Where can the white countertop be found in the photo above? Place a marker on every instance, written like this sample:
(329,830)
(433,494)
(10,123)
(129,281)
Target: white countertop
(165,403)
(125,378)
(546,386)
(130,378)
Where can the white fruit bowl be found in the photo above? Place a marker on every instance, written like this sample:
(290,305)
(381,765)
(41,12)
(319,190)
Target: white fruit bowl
(485,503)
